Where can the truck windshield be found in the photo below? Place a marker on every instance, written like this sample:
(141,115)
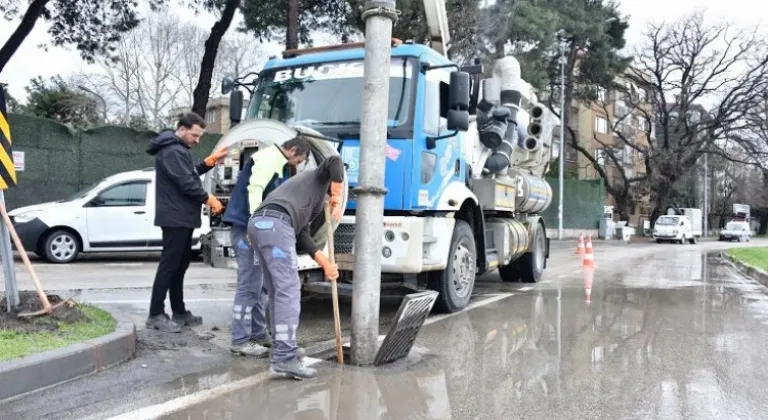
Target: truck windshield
(329,95)
(735,226)
(667,220)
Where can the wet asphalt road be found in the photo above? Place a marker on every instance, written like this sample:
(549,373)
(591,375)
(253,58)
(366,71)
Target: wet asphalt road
(668,332)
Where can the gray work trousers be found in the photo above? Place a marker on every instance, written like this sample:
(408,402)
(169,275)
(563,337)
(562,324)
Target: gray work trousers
(275,242)
(248,320)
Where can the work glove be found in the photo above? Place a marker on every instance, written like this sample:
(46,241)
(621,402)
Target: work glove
(330,269)
(336,209)
(215,156)
(215,204)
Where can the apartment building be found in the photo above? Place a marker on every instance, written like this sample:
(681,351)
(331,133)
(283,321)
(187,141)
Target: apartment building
(610,129)
(216,115)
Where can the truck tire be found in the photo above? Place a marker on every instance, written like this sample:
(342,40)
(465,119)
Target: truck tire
(455,283)
(531,265)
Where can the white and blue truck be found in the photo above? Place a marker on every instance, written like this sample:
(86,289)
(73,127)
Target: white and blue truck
(465,188)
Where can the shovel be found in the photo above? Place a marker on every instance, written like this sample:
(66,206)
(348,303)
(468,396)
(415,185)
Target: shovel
(47,307)
(334,288)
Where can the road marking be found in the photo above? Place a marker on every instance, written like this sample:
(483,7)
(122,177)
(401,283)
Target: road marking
(525,289)
(469,307)
(562,276)
(124,265)
(180,403)
(143,301)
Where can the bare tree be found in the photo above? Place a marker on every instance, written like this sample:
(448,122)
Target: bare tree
(688,62)
(160,39)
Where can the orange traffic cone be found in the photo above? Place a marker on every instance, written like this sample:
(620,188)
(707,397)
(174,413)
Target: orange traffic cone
(589,275)
(580,247)
(589,257)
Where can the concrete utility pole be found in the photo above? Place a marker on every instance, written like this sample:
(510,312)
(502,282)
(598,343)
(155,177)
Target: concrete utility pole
(379,16)
(706,198)
(561,159)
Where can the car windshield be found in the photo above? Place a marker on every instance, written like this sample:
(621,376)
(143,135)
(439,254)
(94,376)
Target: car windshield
(734,226)
(667,221)
(329,95)
(83,192)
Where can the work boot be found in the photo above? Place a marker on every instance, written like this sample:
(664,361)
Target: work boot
(292,369)
(249,349)
(187,319)
(162,323)
(265,341)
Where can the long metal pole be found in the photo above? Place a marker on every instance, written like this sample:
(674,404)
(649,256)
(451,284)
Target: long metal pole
(6,253)
(561,163)
(706,197)
(379,16)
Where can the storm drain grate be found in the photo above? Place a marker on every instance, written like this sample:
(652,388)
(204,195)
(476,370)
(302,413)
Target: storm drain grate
(405,327)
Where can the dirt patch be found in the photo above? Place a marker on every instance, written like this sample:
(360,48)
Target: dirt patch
(29,303)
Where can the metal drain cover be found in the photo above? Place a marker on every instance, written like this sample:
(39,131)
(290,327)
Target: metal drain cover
(405,327)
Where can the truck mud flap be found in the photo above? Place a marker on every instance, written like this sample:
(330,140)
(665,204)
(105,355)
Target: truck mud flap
(546,254)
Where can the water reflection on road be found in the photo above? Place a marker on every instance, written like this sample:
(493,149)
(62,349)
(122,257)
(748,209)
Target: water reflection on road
(682,336)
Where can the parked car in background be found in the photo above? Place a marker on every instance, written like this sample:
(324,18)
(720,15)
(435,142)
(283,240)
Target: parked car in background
(736,230)
(674,228)
(116,214)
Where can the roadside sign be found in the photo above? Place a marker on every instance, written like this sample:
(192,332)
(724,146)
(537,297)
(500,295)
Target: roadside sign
(7,167)
(18,160)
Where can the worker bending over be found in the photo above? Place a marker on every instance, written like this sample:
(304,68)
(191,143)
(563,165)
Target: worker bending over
(279,227)
(260,175)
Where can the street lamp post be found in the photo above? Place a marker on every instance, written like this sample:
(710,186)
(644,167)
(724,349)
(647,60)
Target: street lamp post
(103,102)
(561,157)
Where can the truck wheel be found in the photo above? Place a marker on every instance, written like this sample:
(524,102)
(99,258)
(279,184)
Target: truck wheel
(531,265)
(510,273)
(455,283)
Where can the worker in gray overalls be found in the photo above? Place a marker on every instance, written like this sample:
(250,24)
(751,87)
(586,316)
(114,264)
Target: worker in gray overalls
(260,175)
(279,226)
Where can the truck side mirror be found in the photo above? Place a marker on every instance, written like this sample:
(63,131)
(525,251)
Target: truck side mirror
(235,107)
(458,101)
(227,84)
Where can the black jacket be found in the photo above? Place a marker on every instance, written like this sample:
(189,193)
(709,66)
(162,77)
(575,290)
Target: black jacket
(179,193)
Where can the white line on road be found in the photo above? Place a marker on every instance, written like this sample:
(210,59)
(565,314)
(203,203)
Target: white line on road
(525,289)
(177,404)
(469,307)
(136,264)
(143,301)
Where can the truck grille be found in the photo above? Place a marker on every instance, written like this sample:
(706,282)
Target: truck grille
(344,238)
(351,194)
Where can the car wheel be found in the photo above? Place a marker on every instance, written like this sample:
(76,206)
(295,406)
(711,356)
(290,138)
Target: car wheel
(61,247)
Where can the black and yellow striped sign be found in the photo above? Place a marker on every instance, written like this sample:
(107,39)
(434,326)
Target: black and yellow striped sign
(7,170)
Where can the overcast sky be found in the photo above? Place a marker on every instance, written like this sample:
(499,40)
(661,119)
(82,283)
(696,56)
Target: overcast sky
(30,61)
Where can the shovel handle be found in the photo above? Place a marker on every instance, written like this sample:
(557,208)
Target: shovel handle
(334,287)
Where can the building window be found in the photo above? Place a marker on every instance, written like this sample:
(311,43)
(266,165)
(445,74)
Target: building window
(601,94)
(601,125)
(600,157)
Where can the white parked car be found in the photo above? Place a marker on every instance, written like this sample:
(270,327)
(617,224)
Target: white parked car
(736,231)
(116,214)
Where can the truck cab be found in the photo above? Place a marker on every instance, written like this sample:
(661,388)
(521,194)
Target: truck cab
(673,228)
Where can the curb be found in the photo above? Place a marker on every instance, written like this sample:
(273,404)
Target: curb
(756,273)
(49,368)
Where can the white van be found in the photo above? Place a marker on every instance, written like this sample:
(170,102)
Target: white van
(116,214)
(674,228)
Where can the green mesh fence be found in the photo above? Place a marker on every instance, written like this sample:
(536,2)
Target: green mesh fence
(60,162)
(582,204)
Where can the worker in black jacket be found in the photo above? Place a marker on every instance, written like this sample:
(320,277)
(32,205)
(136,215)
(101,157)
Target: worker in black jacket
(179,196)
(279,226)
